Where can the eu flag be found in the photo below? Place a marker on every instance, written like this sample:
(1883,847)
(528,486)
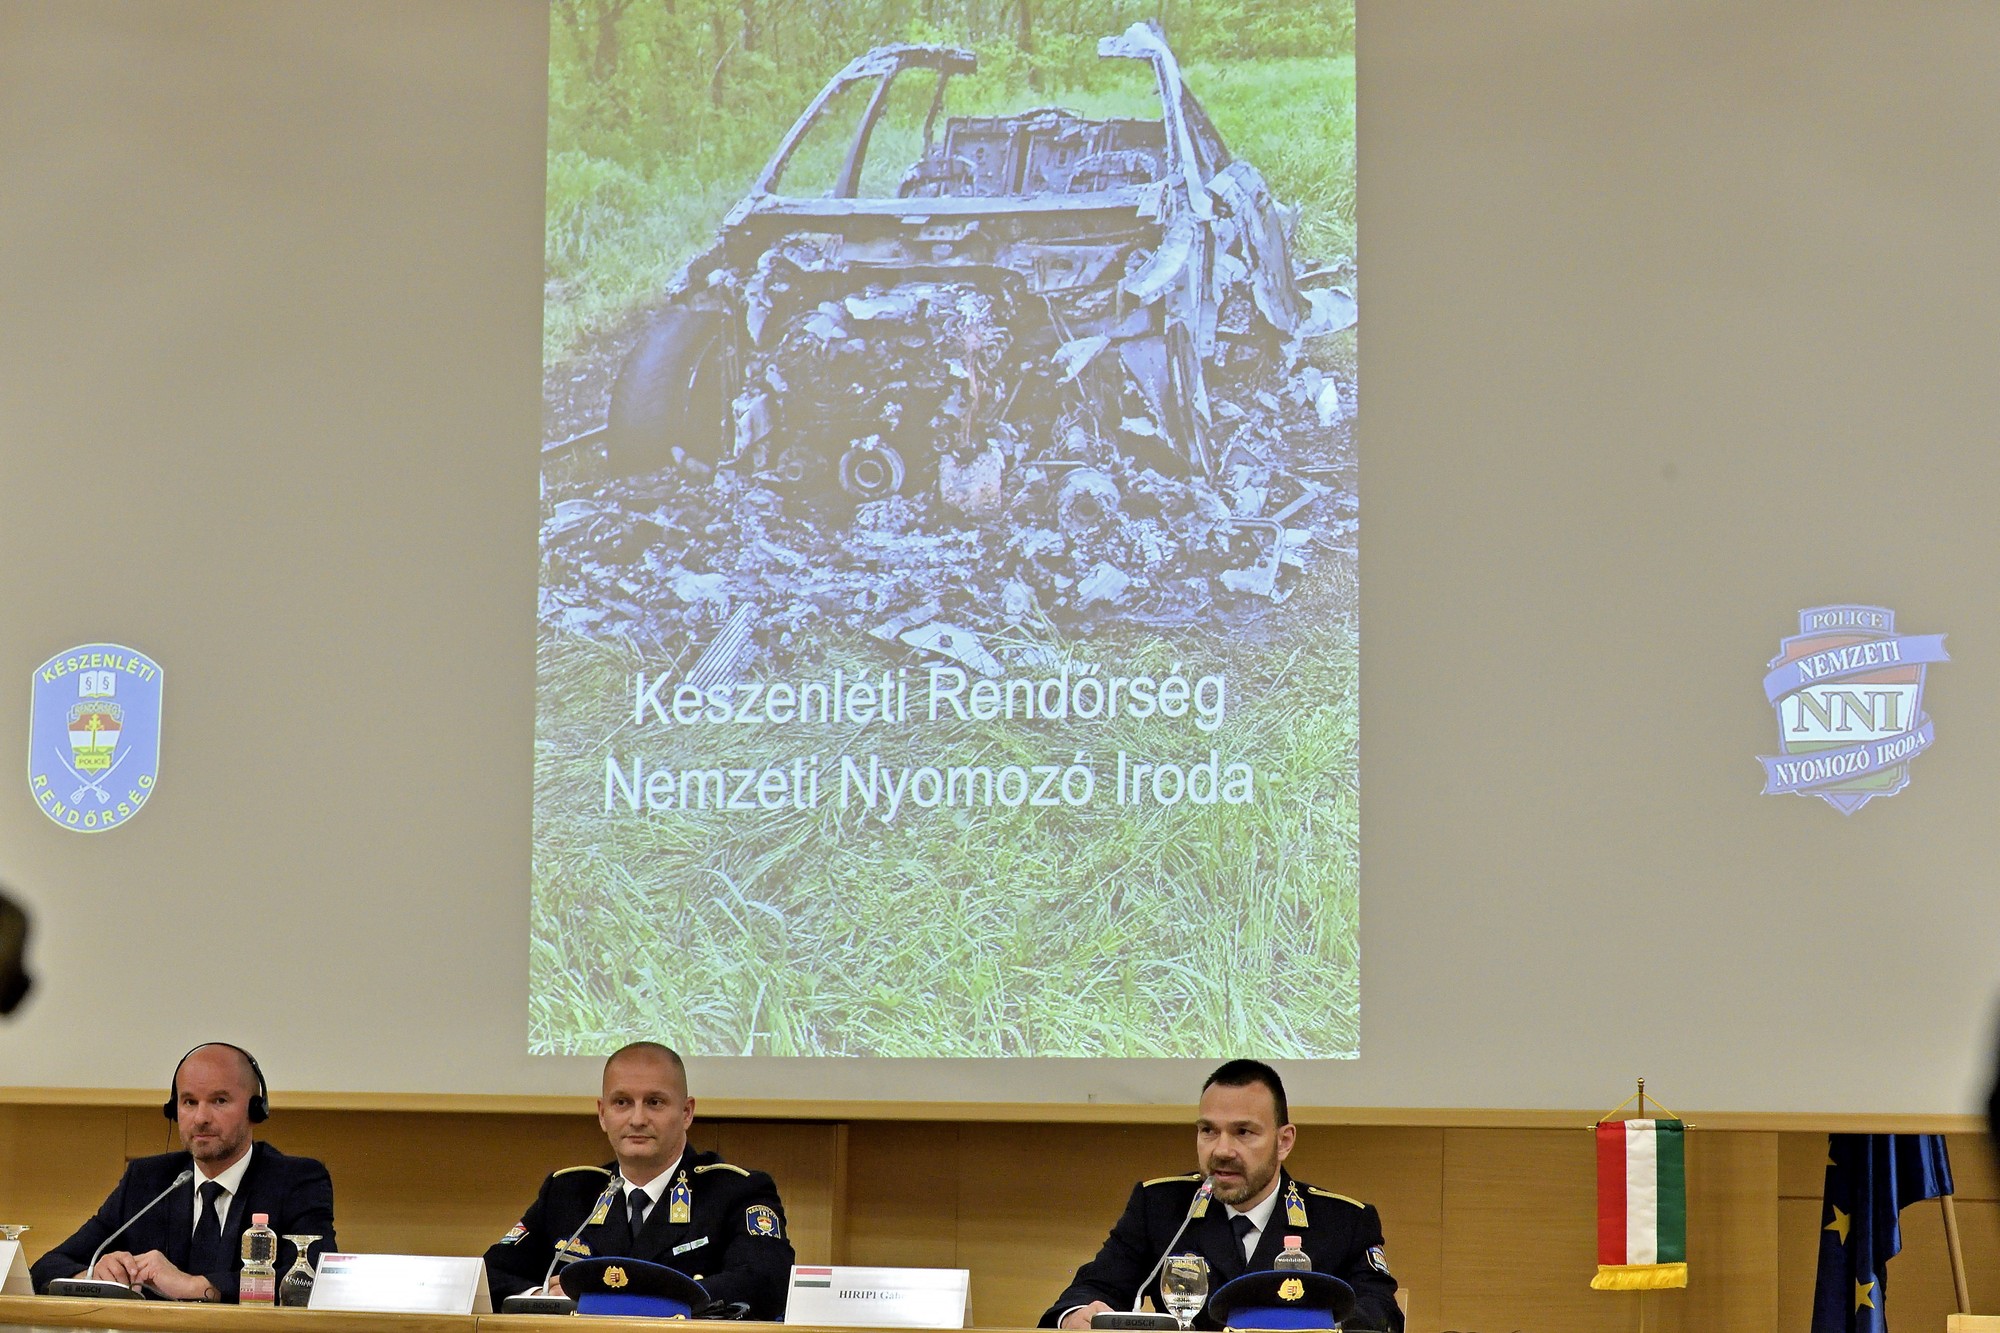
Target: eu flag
(1870,1178)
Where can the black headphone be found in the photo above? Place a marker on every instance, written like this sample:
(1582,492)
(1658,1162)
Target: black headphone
(260,1100)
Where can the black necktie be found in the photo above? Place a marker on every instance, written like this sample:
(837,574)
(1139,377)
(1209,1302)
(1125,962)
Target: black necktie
(636,1204)
(205,1253)
(1241,1224)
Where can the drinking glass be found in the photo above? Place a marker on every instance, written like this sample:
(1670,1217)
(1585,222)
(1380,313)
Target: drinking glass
(9,1231)
(1184,1283)
(297,1287)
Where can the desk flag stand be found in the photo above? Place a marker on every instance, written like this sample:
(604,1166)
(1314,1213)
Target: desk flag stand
(1641,1200)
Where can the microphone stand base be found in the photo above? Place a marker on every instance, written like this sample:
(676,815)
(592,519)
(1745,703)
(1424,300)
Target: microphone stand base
(92,1289)
(538,1305)
(1133,1319)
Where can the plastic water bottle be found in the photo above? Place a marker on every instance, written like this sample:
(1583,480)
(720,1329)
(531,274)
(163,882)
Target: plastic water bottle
(259,1282)
(1292,1259)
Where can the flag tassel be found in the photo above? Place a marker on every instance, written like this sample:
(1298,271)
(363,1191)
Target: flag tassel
(1639,1277)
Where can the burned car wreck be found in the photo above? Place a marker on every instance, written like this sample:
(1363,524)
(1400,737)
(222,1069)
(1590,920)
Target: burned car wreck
(1032,366)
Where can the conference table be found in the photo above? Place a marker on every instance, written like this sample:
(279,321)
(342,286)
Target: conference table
(44,1314)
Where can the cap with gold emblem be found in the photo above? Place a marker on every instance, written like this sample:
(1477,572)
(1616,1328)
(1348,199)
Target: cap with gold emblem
(617,1286)
(1281,1301)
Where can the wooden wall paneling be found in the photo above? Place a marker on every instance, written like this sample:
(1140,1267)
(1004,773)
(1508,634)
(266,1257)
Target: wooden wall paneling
(802,1157)
(1732,1181)
(1036,1201)
(147,1132)
(902,1194)
(1401,1172)
(56,1165)
(1520,1234)
(412,1183)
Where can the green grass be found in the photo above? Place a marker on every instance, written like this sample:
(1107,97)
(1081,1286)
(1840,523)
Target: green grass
(1101,931)
(617,232)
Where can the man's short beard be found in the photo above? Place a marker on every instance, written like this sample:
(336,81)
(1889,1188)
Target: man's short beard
(1250,1189)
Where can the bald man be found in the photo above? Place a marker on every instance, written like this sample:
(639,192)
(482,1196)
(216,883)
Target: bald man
(717,1222)
(189,1246)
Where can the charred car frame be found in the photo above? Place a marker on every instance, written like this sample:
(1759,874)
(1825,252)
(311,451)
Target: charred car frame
(1039,287)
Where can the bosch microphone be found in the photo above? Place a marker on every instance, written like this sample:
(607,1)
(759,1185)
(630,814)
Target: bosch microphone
(544,1303)
(93,1289)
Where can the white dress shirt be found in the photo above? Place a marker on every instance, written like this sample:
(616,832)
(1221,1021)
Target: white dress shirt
(230,1180)
(1260,1217)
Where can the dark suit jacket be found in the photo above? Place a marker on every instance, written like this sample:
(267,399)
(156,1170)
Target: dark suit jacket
(295,1191)
(1341,1237)
(734,1242)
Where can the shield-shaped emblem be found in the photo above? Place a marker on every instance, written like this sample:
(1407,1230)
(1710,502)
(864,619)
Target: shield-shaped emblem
(94,735)
(1848,691)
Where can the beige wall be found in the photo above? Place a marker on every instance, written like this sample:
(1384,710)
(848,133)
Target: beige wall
(1488,1227)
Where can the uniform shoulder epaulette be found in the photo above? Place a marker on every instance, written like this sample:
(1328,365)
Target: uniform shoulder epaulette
(1169,1180)
(1329,1194)
(721,1166)
(568,1169)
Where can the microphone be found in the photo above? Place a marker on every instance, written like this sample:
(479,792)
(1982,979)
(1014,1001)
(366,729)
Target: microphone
(545,1303)
(89,1286)
(1201,1196)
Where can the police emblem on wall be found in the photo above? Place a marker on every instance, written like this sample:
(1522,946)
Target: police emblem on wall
(94,736)
(1849,694)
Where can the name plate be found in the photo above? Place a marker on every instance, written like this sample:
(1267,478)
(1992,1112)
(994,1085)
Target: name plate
(401,1284)
(847,1297)
(14,1265)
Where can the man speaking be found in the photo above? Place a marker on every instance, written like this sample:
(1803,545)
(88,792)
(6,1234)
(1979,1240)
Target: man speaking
(716,1222)
(1243,1133)
(184,1239)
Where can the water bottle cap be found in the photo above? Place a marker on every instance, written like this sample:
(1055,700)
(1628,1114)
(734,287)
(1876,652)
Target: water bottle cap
(264,1220)
(1294,1242)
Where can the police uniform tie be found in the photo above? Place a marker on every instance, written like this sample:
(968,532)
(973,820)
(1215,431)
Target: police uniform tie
(205,1254)
(636,1204)
(1241,1224)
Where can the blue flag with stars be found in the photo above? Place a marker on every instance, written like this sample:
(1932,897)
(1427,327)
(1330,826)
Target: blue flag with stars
(1870,1179)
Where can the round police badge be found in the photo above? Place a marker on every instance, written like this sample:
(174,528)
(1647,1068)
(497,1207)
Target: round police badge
(94,735)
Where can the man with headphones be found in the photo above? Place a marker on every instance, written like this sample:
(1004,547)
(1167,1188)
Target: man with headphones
(188,1245)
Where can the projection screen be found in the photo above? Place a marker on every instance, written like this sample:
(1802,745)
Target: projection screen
(310,390)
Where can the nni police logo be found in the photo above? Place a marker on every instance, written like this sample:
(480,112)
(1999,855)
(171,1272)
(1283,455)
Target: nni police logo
(1849,694)
(94,736)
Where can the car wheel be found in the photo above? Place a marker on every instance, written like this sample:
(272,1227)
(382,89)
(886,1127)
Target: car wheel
(671,401)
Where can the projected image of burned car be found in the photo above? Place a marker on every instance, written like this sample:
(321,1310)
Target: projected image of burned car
(980,367)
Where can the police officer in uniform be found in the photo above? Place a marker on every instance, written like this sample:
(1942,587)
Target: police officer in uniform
(1242,1136)
(714,1221)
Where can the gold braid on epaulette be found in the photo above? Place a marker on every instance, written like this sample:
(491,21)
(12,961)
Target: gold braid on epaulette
(721,1166)
(598,1169)
(1329,1194)
(1168,1180)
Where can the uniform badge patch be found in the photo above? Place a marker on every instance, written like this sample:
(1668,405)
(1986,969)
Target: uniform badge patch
(1377,1261)
(1295,1207)
(680,1202)
(94,736)
(614,1277)
(763,1221)
(519,1230)
(1291,1289)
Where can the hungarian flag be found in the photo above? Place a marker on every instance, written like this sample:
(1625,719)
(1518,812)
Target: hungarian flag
(1641,1205)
